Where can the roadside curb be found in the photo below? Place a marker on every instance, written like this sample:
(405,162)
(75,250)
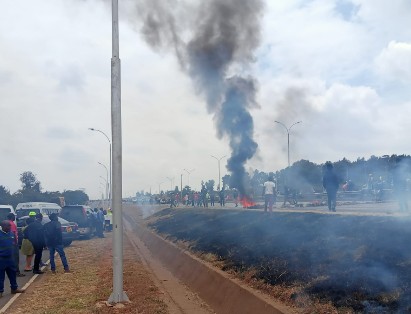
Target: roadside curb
(222,294)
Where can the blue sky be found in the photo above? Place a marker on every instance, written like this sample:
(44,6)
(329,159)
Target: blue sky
(342,67)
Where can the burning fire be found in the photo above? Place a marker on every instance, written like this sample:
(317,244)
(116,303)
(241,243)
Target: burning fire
(247,202)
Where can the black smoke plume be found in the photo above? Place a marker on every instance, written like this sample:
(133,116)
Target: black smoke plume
(214,42)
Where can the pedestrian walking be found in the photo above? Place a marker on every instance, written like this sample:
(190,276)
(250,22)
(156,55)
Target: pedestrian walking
(16,252)
(35,233)
(269,193)
(54,242)
(330,183)
(27,248)
(7,261)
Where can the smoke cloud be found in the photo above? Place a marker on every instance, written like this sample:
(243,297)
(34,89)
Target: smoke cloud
(214,42)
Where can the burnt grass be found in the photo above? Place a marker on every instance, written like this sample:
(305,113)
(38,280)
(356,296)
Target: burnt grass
(357,262)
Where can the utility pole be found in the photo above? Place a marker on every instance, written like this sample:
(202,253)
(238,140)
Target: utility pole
(288,137)
(219,175)
(118,294)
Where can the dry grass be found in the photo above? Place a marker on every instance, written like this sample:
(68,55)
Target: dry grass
(90,285)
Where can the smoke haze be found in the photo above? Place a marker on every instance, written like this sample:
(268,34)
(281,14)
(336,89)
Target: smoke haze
(214,43)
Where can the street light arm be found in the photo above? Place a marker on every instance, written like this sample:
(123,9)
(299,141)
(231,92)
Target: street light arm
(93,129)
(293,125)
(282,125)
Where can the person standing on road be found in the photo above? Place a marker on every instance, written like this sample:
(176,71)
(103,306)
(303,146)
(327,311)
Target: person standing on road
(7,261)
(16,252)
(54,241)
(27,248)
(221,194)
(35,233)
(99,222)
(330,183)
(269,193)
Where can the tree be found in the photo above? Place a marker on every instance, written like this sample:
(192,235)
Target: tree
(210,185)
(29,182)
(5,197)
(77,197)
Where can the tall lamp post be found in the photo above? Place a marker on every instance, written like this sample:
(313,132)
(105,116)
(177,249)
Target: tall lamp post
(107,186)
(219,173)
(109,142)
(171,182)
(188,175)
(288,137)
(118,294)
(159,187)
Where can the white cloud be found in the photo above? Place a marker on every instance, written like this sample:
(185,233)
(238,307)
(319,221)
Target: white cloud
(394,62)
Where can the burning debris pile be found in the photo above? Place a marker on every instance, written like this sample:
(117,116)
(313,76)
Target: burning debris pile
(360,263)
(215,48)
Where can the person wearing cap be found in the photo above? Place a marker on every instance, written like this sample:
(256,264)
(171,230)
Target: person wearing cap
(16,252)
(35,233)
(54,241)
(7,262)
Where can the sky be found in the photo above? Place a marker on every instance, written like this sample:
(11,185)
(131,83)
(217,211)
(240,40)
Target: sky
(342,67)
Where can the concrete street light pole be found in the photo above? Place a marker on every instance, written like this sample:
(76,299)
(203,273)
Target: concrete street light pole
(171,182)
(159,187)
(118,294)
(288,137)
(219,175)
(105,186)
(109,182)
(188,177)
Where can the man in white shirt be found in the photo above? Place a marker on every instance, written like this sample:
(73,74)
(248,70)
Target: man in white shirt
(269,193)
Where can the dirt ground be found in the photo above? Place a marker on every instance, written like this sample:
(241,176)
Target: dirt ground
(90,285)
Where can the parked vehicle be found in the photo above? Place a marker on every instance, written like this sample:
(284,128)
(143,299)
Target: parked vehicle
(5,210)
(24,209)
(82,215)
(69,229)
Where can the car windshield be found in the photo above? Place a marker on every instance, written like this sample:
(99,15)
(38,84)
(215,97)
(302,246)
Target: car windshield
(26,211)
(3,213)
(75,214)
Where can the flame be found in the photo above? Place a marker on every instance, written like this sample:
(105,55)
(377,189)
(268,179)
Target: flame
(247,202)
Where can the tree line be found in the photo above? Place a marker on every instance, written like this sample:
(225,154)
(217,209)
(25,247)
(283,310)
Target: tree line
(31,191)
(305,176)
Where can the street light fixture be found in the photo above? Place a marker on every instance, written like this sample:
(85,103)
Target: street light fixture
(219,174)
(109,182)
(188,175)
(288,137)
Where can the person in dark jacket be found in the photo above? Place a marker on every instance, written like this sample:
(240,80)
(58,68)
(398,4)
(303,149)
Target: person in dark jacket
(330,183)
(54,241)
(35,233)
(7,262)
